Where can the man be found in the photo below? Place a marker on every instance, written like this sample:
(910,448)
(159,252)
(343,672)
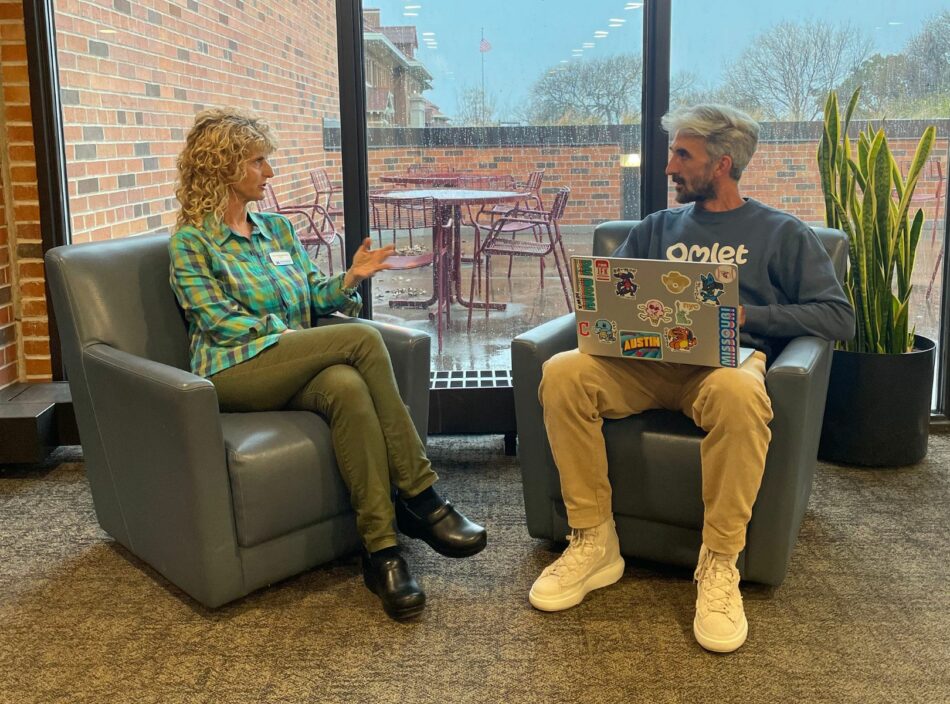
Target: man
(787,288)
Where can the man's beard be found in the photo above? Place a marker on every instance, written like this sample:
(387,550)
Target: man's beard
(702,191)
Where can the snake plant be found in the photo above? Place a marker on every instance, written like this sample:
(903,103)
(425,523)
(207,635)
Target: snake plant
(868,198)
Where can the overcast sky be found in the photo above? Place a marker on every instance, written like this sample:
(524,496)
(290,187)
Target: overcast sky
(528,37)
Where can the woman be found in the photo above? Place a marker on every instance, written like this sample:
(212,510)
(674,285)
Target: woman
(252,296)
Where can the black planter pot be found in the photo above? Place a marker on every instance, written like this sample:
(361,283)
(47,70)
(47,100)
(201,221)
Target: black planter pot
(878,408)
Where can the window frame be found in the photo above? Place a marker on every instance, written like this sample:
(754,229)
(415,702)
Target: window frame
(51,162)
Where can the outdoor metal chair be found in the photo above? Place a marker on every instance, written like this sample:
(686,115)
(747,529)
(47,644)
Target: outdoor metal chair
(323,196)
(932,173)
(398,215)
(501,241)
(531,186)
(314,237)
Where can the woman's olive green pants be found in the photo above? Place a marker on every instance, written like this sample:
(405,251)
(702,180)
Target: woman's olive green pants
(344,373)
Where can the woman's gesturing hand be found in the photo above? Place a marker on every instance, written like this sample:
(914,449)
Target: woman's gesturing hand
(367,262)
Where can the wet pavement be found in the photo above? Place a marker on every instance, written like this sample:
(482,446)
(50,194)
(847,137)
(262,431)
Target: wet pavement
(487,345)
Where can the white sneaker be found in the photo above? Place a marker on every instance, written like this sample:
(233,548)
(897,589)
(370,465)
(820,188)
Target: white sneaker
(592,560)
(720,624)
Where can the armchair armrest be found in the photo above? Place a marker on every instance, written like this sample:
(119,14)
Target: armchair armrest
(529,351)
(165,453)
(797,384)
(409,351)
(798,379)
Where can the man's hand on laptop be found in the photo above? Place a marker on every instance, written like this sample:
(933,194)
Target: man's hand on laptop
(741,316)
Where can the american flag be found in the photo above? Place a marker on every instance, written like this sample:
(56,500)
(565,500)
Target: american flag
(484,46)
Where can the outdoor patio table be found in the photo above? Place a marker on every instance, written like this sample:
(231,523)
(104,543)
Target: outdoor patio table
(455,199)
(433,180)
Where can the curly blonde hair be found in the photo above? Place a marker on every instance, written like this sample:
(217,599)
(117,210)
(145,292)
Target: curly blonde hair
(215,156)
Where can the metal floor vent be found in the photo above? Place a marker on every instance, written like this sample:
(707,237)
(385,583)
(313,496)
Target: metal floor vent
(471,379)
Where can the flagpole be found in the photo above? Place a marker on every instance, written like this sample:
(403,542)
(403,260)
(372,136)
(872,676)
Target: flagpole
(483,75)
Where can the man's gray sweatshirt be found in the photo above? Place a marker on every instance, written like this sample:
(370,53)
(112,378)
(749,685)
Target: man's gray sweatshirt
(787,284)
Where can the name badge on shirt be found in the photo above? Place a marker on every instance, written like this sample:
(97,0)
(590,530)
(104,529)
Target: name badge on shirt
(280,258)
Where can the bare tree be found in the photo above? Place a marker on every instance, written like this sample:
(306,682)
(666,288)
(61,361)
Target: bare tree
(912,84)
(686,88)
(786,71)
(474,109)
(592,91)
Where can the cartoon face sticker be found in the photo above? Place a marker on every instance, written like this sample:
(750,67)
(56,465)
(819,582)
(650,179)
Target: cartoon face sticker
(626,287)
(680,339)
(675,282)
(725,274)
(655,312)
(606,330)
(708,290)
(683,309)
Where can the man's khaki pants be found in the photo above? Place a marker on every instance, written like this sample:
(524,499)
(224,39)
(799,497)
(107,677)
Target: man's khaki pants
(578,391)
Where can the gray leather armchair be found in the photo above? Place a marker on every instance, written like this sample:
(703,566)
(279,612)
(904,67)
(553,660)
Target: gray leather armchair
(220,504)
(654,460)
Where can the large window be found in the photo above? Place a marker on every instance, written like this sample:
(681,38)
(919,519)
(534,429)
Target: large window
(529,97)
(780,64)
(490,95)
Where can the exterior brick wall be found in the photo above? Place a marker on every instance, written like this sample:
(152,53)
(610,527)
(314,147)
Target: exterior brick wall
(591,171)
(782,174)
(24,346)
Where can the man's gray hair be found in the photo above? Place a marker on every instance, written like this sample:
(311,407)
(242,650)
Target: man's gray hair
(727,131)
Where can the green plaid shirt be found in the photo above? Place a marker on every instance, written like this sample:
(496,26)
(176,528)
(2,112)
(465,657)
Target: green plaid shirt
(240,294)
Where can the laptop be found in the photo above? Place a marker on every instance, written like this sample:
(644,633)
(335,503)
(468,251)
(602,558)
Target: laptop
(658,310)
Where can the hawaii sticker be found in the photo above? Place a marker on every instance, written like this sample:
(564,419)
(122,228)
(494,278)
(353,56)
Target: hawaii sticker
(583,267)
(585,293)
(642,345)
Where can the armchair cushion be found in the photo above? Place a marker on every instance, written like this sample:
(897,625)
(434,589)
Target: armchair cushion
(282,472)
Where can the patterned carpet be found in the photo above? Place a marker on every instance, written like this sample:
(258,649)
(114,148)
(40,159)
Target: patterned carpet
(864,615)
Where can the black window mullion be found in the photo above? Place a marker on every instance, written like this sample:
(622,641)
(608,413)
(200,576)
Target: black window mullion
(655,103)
(49,149)
(349,23)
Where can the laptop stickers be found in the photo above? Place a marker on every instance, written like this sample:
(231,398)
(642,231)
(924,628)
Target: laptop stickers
(657,310)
